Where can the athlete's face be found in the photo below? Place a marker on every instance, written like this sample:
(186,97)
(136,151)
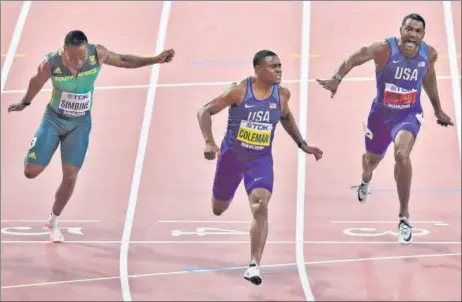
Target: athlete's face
(270,70)
(75,56)
(412,34)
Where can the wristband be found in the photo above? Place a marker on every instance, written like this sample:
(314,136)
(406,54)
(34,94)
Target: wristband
(24,102)
(300,144)
(337,77)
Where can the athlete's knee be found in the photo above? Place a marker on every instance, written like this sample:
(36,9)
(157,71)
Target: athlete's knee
(259,200)
(259,207)
(404,143)
(70,174)
(401,155)
(372,159)
(219,207)
(32,171)
(30,175)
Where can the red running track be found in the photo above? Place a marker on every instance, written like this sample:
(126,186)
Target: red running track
(171,236)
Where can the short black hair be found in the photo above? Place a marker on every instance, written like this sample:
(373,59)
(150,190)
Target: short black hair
(261,55)
(75,38)
(414,16)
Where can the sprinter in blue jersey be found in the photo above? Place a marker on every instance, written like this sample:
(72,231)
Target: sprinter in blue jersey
(403,66)
(256,105)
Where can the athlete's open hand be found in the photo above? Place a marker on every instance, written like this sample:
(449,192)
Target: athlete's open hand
(331,85)
(166,56)
(16,107)
(211,151)
(443,119)
(312,150)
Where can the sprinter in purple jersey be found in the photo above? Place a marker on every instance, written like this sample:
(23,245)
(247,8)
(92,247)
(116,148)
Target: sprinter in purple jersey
(403,66)
(256,105)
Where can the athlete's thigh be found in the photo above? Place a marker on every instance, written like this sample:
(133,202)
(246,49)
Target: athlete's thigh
(377,134)
(259,174)
(405,132)
(411,123)
(74,145)
(44,143)
(228,176)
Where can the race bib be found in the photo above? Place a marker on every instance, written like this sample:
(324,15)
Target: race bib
(256,134)
(398,97)
(74,104)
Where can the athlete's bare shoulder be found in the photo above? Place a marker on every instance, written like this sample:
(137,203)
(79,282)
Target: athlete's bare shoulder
(284,93)
(284,97)
(380,51)
(376,51)
(233,95)
(43,70)
(105,56)
(432,58)
(432,53)
(44,65)
(236,91)
(103,53)
(379,47)
(241,84)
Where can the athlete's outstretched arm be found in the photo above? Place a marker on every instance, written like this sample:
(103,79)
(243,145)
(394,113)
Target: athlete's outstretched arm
(108,57)
(36,83)
(361,56)
(290,126)
(430,85)
(376,51)
(232,95)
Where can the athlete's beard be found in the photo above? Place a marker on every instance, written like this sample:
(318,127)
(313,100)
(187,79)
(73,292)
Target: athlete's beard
(410,45)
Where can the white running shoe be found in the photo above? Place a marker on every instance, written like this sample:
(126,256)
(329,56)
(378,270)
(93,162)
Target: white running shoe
(253,274)
(56,236)
(404,231)
(364,190)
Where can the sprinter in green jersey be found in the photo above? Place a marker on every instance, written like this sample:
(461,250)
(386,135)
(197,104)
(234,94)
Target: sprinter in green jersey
(73,70)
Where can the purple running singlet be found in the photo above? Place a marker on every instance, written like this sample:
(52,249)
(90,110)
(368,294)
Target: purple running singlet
(397,105)
(246,150)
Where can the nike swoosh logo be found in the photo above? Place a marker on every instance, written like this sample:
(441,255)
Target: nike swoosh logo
(396,61)
(249,106)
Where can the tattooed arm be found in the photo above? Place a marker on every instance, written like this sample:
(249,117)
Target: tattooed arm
(378,51)
(108,57)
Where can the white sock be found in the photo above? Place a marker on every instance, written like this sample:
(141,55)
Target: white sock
(53,219)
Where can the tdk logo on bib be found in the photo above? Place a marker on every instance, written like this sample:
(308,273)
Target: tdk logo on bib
(77,97)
